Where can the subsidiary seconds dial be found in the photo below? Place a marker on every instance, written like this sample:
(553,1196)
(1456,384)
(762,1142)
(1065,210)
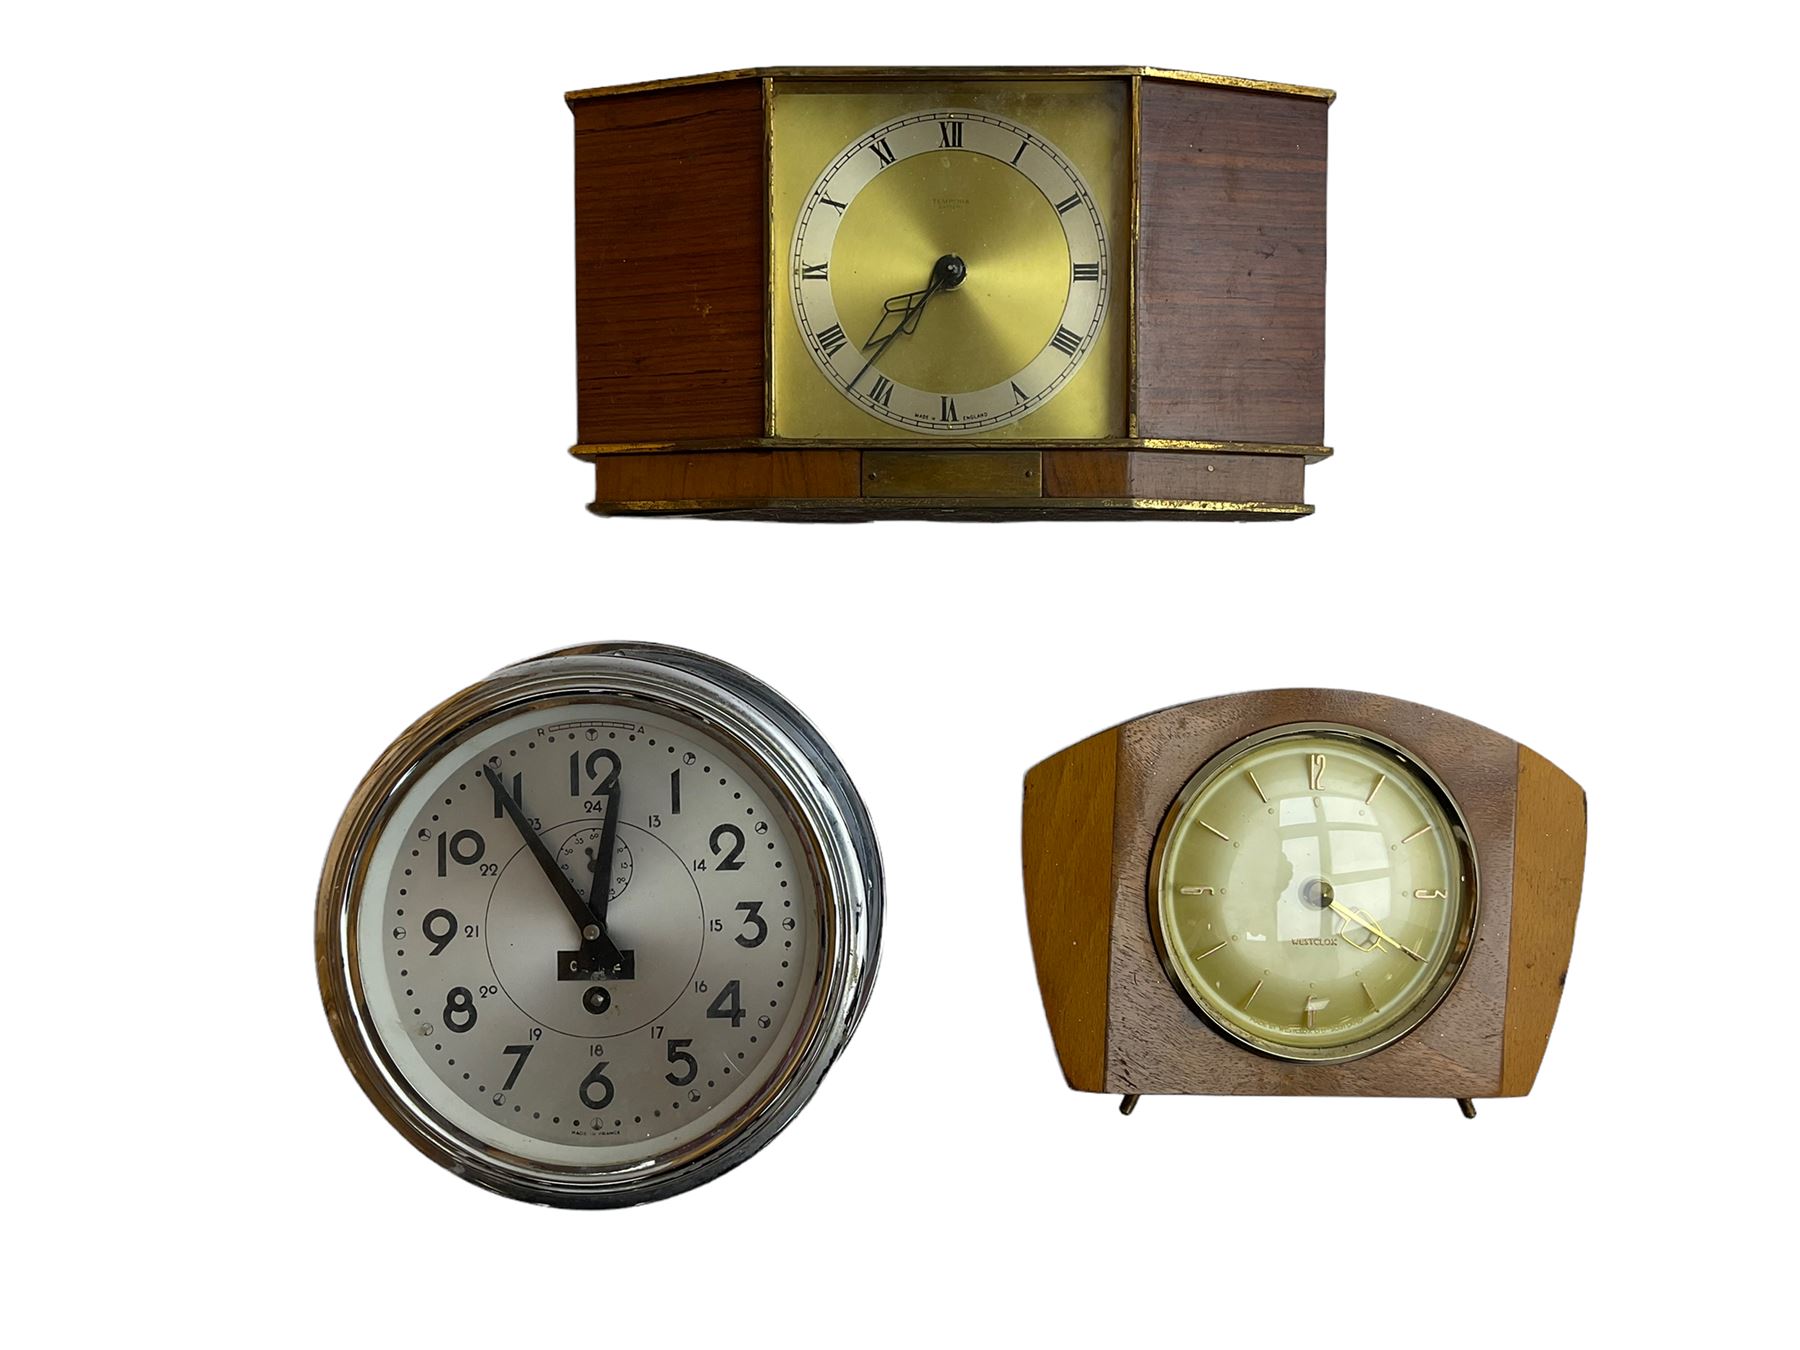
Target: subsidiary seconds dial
(597,937)
(949,271)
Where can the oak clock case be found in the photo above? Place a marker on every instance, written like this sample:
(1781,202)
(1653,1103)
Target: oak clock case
(1308,892)
(986,294)
(591,932)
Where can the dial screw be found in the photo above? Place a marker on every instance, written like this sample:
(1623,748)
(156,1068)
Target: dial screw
(688,758)
(399,932)
(762,827)
(596,1000)
(424,834)
(499,1099)
(788,924)
(763,1021)
(694,1096)
(425,1028)
(593,733)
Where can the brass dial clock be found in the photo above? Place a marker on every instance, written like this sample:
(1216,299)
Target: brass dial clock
(592,931)
(1302,891)
(950,271)
(1313,893)
(1086,292)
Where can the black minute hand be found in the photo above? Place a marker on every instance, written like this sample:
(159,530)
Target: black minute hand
(601,893)
(947,274)
(596,946)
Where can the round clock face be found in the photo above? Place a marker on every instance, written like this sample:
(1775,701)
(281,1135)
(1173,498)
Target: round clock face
(591,941)
(1313,893)
(949,271)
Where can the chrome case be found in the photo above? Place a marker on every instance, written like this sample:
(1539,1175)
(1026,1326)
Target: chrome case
(803,774)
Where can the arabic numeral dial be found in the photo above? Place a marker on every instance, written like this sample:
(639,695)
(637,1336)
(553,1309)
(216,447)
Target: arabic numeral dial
(594,925)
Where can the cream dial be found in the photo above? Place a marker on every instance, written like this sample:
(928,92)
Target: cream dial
(1313,893)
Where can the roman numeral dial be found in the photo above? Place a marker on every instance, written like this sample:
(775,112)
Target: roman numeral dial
(949,272)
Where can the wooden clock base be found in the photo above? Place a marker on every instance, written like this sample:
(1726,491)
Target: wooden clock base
(1122,479)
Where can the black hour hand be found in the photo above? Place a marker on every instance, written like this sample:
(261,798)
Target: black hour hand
(907,309)
(596,947)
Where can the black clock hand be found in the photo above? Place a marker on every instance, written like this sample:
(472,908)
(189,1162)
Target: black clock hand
(947,274)
(909,305)
(601,893)
(596,946)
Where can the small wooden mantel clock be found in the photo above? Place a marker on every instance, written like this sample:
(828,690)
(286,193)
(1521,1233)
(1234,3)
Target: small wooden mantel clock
(1302,891)
(848,293)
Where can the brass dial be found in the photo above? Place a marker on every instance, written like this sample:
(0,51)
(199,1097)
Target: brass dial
(949,271)
(1313,893)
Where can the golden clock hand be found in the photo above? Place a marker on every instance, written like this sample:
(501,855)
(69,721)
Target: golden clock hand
(1363,921)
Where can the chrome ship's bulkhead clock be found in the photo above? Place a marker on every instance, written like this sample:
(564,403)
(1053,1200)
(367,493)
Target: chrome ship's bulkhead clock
(592,931)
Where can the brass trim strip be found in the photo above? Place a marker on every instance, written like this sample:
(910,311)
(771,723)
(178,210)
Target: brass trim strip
(771,273)
(1134,216)
(952,73)
(962,507)
(1312,454)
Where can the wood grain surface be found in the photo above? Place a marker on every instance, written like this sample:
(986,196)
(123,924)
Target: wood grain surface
(1549,848)
(1231,279)
(1153,1041)
(1174,476)
(672,318)
(727,476)
(671,291)
(1067,842)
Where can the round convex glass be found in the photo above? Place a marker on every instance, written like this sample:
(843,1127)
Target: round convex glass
(1313,892)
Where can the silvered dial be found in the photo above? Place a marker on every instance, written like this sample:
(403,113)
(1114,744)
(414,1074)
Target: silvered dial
(599,943)
(479,991)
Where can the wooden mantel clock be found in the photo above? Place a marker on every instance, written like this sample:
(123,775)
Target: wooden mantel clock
(1302,891)
(846,294)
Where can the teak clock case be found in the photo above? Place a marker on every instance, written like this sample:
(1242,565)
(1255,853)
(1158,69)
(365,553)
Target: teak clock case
(1221,274)
(1091,817)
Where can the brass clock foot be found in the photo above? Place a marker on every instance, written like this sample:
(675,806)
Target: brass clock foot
(1128,1103)
(1468,1107)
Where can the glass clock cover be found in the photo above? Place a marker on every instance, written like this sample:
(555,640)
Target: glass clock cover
(1313,892)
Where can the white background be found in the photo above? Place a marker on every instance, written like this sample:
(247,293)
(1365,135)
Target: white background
(288,382)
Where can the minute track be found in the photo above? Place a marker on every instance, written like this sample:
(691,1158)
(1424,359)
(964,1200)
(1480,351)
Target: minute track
(1076,275)
(706,828)
(681,950)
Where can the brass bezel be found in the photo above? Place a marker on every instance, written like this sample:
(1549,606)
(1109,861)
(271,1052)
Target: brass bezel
(1109,373)
(1427,1003)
